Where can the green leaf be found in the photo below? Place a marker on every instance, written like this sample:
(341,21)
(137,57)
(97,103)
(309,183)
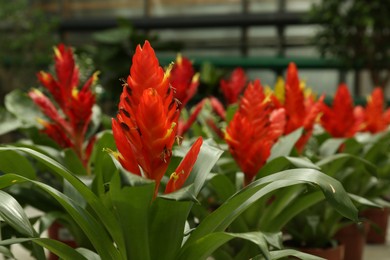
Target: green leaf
(6,252)
(206,245)
(105,216)
(92,228)
(285,144)
(11,161)
(278,254)
(285,162)
(8,122)
(60,249)
(73,162)
(364,201)
(207,157)
(101,161)
(220,219)
(131,204)
(331,146)
(88,254)
(371,168)
(13,214)
(21,106)
(168,220)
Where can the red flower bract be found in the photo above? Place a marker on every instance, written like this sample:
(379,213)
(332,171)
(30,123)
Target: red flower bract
(375,117)
(299,112)
(340,120)
(69,129)
(146,124)
(183,80)
(255,127)
(232,87)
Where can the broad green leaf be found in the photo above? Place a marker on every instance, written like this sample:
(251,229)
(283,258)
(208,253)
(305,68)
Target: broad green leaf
(131,204)
(73,162)
(93,229)
(371,168)
(13,214)
(206,245)
(232,208)
(168,218)
(285,144)
(300,203)
(101,163)
(60,249)
(363,201)
(20,105)
(278,254)
(6,252)
(8,122)
(88,254)
(222,186)
(104,215)
(207,157)
(285,162)
(331,146)
(11,161)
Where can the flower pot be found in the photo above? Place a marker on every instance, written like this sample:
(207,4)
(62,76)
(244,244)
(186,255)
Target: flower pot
(58,232)
(332,253)
(353,237)
(379,219)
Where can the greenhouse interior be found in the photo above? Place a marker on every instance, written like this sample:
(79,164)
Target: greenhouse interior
(195,129)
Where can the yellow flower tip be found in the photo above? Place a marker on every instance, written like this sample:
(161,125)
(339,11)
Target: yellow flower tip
(268,90)
(57,52)
(42,121)
(227,136)
(117,155)
(37,92)
(196,77)
(168,71)
(302,84)
(95,77)
(75,92)
(267,98)
(170,130)
(179,58)
(174,176)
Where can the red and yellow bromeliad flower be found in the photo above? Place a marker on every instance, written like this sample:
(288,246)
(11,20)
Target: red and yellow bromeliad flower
(146,125)
(376,118)
(301,111)
(255,127)
(341,119)
(69,128)
(183,80)
(233,87)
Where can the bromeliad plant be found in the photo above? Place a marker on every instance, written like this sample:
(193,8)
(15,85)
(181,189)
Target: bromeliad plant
(71,114)
(126,215)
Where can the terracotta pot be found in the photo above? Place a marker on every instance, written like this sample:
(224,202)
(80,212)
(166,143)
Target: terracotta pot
(353,237)
(333,253)
(58,232)
(378,218)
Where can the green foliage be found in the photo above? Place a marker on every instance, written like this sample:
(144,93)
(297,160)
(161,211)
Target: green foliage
(26,39)
(356,32)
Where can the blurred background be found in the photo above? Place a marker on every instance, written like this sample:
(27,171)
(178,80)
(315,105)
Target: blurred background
(330,41)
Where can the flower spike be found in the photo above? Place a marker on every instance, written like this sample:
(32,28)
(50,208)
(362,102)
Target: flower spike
(255,127)
(146,125)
